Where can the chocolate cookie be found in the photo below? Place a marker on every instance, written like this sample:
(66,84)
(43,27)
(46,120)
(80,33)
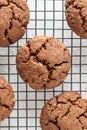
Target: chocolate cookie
(7,99)
(43,62)
(68,111)
(14,16)
(76,15)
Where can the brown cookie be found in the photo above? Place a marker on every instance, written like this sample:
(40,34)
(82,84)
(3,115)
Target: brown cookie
(14,16)
(7,99)
(68,111)
(43,62)
(76,16)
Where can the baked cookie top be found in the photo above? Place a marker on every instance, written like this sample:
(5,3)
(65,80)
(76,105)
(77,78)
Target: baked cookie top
(76,16)
(68,111)
(14,16)
(7,99)
(43,62)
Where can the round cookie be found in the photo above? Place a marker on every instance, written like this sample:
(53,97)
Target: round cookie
(68,111)
(76,16)
(14,16)
(43,62)
(7,100)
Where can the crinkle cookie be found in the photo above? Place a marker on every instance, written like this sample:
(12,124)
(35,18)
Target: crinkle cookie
(43,62)
(7,99)
(68,111)
(76,16)
(14,16)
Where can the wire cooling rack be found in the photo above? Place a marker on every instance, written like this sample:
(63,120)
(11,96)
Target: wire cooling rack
(47,18)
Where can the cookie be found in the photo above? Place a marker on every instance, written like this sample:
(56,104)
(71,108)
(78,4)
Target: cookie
(7,99)
(14,16)
(43,62)
(68,111)
(76,16)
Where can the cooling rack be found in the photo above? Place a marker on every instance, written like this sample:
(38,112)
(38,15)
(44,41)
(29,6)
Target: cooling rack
(47,18)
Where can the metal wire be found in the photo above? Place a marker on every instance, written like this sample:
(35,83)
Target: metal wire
(47,18)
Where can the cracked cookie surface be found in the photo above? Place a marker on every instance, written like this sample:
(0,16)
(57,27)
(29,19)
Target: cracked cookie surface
(68,111)
(14,17)
(43,62)
(7,99)
(76,16)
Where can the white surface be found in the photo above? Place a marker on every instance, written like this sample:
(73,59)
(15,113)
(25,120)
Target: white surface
(28,105)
